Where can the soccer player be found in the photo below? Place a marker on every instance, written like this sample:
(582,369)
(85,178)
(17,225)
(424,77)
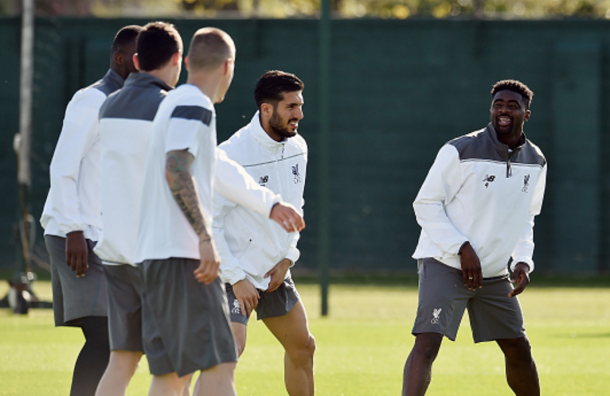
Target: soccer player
(185,303)
(255,254)
(476,208)
(72,221)
(125,126)
(125,121)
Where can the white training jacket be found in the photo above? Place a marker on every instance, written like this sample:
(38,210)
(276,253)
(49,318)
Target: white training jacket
(186,119)
(479,191)
(125,130)
(74,199)
(249,244)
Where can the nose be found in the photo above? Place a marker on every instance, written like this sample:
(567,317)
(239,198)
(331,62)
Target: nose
(298,113)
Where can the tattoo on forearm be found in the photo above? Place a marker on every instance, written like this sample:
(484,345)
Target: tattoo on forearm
(182,186)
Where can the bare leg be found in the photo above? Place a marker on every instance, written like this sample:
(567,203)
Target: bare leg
(240,332)
(217,381)
(186,391)
(521,372)
(418,368)
(292,332)
(167,385)
(121,368)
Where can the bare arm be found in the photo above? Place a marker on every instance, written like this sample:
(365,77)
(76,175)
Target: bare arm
(182,186)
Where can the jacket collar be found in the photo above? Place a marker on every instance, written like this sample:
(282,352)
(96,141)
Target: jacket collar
(491,132)
(113,79)
(144,79)
(261,136)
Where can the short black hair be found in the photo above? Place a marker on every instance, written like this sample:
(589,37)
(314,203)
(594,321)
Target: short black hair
(157,43)
(124,37)
(515,86)
(272,85)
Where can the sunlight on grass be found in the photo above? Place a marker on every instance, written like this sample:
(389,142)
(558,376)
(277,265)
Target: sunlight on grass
(361,347)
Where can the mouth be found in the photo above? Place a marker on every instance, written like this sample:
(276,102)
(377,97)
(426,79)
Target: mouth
(294,124)
(504,120)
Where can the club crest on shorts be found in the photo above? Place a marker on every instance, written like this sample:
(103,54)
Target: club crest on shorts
(236,308)
(435,314)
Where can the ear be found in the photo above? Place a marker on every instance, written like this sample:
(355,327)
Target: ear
(527,114)
(267,109)
(176,58)
(118,58)
(186,62)
(136,61)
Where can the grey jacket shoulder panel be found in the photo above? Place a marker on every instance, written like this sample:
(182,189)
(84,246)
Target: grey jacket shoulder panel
(484,145)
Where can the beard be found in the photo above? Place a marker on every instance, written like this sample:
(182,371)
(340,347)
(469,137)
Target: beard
(280,127)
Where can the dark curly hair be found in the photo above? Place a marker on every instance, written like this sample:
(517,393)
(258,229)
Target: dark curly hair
(515,86)
(272,85)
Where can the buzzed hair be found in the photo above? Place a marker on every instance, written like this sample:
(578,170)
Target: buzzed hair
(210,47)
(157,43)
(515,86)
(124,37)
(271,86)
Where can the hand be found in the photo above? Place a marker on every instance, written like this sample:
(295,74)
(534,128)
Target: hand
(77,252)
(207,271)
(278,274)
(247,295)
(521,275)
(287,217)
(471,267)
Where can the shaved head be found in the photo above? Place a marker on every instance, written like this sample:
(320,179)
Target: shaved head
(209,49)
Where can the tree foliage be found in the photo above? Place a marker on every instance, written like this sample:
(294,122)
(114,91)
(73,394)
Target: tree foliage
(506,9)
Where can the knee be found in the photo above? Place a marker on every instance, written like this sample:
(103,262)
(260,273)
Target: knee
(427,346)
(310,347)
(125,361)
(303,352)
(517,350)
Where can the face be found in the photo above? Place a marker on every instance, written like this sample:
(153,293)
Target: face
(285,116)
(176,69)
(226,79)
(127,54)
(508,112)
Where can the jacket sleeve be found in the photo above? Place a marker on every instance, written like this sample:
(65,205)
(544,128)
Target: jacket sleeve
(293,252)
(235,184)
(79,133)
(524,251)
(442,183)
(230,270)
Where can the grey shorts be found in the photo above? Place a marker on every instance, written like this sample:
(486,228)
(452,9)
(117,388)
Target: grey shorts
(75,298)
(270,305)
(185,323)
(443,299)
(124,307)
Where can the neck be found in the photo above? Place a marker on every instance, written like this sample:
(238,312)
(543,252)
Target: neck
(208,84)
(511,140)
(165,74)
(120,71)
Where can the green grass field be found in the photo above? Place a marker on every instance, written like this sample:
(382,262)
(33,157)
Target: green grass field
(361,349)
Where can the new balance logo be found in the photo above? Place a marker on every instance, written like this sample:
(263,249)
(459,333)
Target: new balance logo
(236,308)
(263,180)
(488,179)
(297,175)
(435,314)
(526,183)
